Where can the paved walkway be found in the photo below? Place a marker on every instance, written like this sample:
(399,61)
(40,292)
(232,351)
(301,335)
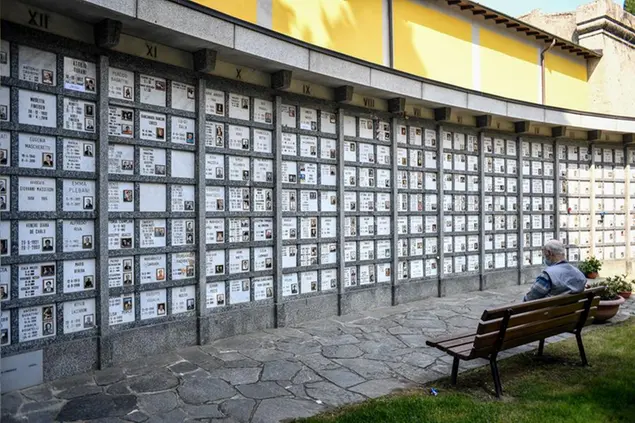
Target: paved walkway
(273,375)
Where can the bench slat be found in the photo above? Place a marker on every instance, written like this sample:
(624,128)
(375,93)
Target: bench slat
(437,341)
(518,308)
(532,316)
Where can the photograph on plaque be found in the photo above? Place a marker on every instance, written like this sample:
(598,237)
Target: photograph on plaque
(153,304)
(152,233)
(120,234)
(37,279)
(214,135)
(183,266)
(263,288)
(78,235)
(37,109)
(34,237)
(120,196)
(80,75)
(215,294)
(36,322)
(290,285)
(5,149)
(238,106)
(215,262)
(35,151)
(37,66)
(182,130)
(288,113)
(79,115)
(239,291)
(214,102)
(5,327)
(263,111)
(152,90)
(183,96)
(262,141)
(152,126)
(79,315)
(120,84)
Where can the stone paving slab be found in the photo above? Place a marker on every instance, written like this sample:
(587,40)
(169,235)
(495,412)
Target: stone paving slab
(273,375)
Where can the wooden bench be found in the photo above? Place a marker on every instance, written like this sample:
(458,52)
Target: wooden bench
(507,327)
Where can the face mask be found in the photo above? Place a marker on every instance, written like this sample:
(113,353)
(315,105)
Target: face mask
(546,261)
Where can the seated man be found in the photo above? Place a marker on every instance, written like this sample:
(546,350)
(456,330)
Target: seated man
(559,277)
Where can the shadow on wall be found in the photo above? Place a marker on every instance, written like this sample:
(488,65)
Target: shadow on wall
(352,27)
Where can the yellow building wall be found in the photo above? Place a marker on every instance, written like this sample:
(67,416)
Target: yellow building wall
(566,83)
(431,44)
(247,10)
(509,68)
(352,27)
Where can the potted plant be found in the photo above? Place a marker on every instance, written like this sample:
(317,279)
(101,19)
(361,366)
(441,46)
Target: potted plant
(590,267)
(623,286)
(610,301)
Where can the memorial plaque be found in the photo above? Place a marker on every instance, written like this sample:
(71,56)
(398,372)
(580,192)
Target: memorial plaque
(183,299)
(153,90)
(79,155)
(214,135)
(263,199)
(121,196)
(183,130)
(263,229)
(239,138)
(120,84)
(182,232)
(215,199)
(289,144)
(263,259)
(5,58)
(152,197)
(328,175)
(79,195)
(5,104)
(35,237)
(152,126)
(5,330)
(239,260)
(37,66)
(182,164)
(328,149)
(79,315)
(328,122)
(239,291)
(79,275)
(121,309)
(350,151)
(152,161)
(263,288)
(262,141)
(215,294)
(215,166)
(153,304)
(36,322)
(37,109)
(308,282)
(263,111)
(239,168)
(120,272)
(183,96)
(239,199)
(80,75)
(214,231)
(35,280)
(289,172)
(121,159)
(5,151)
(183,198)
(308,146)
(5,283)
(35,151)
(215,262)
(238,106)
(263,170)
(152,233)
(288,113)
(289,256)
(214,102)
(290,285)
(120,234)
(152,268)
(78,235)
(183,266)
(79,115)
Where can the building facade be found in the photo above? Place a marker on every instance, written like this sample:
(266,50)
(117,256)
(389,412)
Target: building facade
(172,174)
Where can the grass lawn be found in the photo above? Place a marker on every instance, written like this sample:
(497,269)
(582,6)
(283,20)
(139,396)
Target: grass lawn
(552,389)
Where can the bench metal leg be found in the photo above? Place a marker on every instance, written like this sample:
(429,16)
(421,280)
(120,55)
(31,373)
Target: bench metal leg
(455,370)
(578,337)
(496,376)
(541,347)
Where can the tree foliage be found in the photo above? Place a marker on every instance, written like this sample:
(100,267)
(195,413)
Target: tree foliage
(629,6)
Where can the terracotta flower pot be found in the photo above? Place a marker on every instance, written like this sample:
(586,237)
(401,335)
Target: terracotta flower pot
(592,275)
(607,309)
(625,295)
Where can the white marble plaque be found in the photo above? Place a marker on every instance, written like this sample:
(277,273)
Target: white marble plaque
(120,234)
(263,141)
(37,109)
(239,138)
(238,106)
(80,75)
(153,90)
(121,159)
(36,151)
(5,283)
(239,260)
(79,115)
(120,196)
(183,198)
(79,155)
(183,96)
(5,104)
(328,175)
(5,58)
(120,84)
(263,288)
(78,235)
(214,102)
(215,294)
(290,285)
(182,232)
(36,322)
(183,299)
(215,261)
(152,126)
(120,272)
(263,111)
(5,149)
(79,195)
(152,233)
(239,291)
(35,280)
(183,130)
(288,113)
(239,199)
(183,266)
(214,231)
(214,135)
(328,122)
(153,304)
(5,327)
(182,165)
(263,229)
(152,268)
(79,275)
(37,66)
(79,315)
(215,199)
(36,194)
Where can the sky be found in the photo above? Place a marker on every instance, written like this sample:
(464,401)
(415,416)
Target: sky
(516,8)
